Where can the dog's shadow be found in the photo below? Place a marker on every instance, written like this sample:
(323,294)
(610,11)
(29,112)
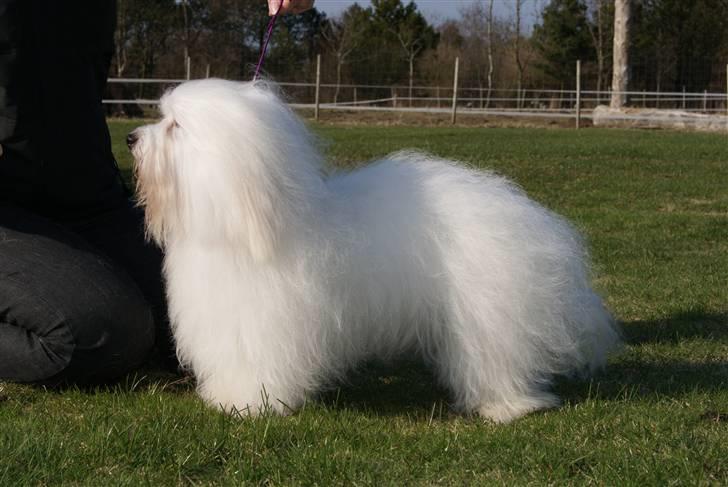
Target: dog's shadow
(646,371)
(405,387)
(682,326)
(410,388)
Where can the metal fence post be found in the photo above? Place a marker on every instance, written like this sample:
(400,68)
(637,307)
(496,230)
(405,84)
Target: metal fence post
(578,94)
(318,86)
(187,66)
(455,92)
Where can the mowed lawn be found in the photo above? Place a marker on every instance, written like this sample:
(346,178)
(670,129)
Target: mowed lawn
(654,207)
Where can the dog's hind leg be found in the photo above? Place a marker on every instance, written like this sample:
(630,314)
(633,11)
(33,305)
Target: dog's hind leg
(492,390)
(491,370)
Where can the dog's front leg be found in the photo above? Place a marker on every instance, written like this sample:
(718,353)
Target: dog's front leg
(241,394)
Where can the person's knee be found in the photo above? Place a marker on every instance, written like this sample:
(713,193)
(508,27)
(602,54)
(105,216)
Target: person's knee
(112,338)
(31,353)
(66,310)
(73,341)
(85,335)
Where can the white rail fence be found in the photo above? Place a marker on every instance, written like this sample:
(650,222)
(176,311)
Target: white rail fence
(454,100)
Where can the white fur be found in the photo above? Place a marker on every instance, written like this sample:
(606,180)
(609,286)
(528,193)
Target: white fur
(280,279)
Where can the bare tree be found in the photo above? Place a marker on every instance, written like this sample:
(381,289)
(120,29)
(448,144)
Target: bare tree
(473,51)
(342,37)
(599,34)
(412,42)
(517,49)
(620,71)
(490,53)
(186,29)
(121,37)
(195,14)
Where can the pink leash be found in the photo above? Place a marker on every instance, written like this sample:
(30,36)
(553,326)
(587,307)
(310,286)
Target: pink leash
(268,35)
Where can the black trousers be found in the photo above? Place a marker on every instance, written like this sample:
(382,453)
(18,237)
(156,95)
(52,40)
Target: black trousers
(78,303)
(81,296)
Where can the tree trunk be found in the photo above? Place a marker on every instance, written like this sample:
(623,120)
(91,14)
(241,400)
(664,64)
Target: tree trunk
(120,59)
(339,62)
(519,64)
(490,53)
(620,73)
(598,41)
(120,40)
(600,50)
(186,51)
(411,76)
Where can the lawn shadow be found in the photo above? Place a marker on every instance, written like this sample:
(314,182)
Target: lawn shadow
(631,376)
(682,326)
(402,388)
(151,377)
(635,378)
(409,387)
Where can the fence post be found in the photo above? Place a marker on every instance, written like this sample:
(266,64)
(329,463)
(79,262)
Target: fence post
(394,97)
(187,66)
(578,94)
(455,92)
(318,86)
(355,95)
(207,71)
(705,100)
(726,89)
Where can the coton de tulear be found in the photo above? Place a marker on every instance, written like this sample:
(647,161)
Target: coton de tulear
(281,278)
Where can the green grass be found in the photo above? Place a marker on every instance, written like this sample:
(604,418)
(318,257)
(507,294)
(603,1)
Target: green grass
(654,206)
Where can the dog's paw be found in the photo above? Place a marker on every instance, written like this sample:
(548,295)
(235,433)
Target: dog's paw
(254,409)
(506,411)
(245,405)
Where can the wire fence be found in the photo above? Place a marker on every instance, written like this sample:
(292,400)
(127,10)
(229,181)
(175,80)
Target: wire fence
(127,95)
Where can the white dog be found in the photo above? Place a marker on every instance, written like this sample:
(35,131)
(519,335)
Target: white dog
(280,278)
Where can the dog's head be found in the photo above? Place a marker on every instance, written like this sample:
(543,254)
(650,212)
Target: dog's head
(228,163)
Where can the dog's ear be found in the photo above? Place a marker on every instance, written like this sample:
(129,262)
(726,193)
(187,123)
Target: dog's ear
(267,172)
(157,192)
(248,166)
(255,220)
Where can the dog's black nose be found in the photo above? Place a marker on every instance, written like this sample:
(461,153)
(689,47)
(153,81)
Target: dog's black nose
(131,139)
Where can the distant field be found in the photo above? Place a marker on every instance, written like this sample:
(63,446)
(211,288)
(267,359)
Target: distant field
(654,207)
